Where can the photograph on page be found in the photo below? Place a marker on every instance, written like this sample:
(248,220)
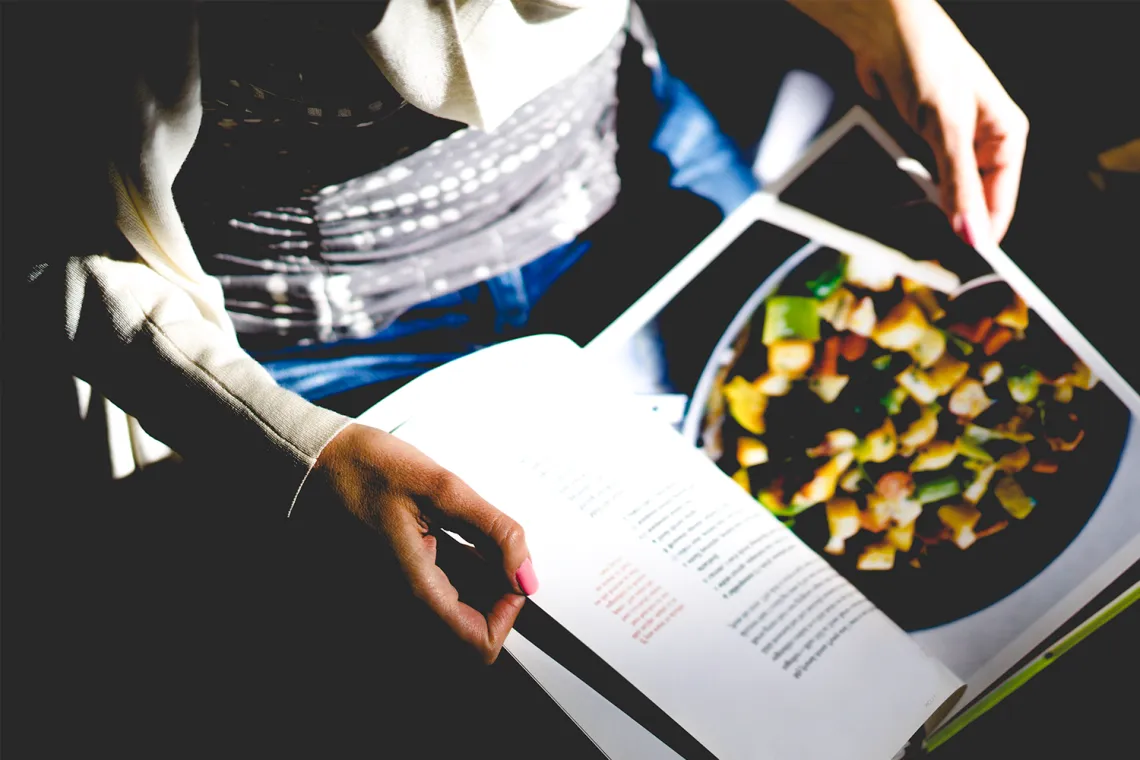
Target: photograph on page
(952,456)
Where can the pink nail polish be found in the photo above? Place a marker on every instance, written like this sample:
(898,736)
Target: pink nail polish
(526,578)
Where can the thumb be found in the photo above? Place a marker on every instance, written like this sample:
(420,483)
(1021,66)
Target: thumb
(960,183)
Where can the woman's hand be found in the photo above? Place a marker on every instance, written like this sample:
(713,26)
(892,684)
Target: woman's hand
(407,498)
(911,52)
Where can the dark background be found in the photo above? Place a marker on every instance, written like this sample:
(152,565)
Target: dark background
(1071,66)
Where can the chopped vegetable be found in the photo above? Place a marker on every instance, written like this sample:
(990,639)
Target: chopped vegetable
(981,434)
(1023,388)
(1063,391)
(997,527)
(791,357)
(901,536)
(822,486)
(834,442)
(990,372)
(929,348)
(828,388)
(925,298)
(1045,466)
(773,498)
(862,320)
(790,318)
(1014,461)
(746,405)
(870,272)
(829,359)
(741,478)
(877,557)
(852,479)
(977,489)
(894,400)
(974,333)
(964,347)
(828,282)
(879,445)
(881,362)
(936,455)
(917,384)
(902,328)
(837,308)
(771,384)
(1060,444)
(969,399)
(843,522)
(971,449)
(1015,316)
(895,485)
(750,452)
(996,340)
(920,432)
(877,517)
(946,373)
(960,519)
(853,347)
(1013,498)
(938,489)
(1083,377)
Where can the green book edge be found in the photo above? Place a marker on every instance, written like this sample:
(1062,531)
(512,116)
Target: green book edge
(1039,663)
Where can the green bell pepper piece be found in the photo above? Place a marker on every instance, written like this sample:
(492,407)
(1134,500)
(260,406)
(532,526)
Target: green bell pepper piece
(790,318)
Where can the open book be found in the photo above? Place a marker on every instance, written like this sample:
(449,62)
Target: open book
(804,505)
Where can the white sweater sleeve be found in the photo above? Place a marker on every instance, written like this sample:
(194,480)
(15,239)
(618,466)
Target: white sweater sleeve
(147,328)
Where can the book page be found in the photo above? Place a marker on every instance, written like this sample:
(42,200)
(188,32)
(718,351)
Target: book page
(663,566)
(1001,499)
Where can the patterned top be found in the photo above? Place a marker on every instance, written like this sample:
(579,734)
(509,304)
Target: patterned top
(327,207)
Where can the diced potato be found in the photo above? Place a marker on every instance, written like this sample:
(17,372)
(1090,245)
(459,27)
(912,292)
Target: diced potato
(870,272)
(835,441)
(828,387)
(925,298)
(750,452)
(791,357)
(946,373)
(852,479)
(1013,498)
(877,516)
(746,405)
(877,557)
(905,511)
(771,384)
(920,432)
(1015,316)
(936,455)
(1083,377)
(862,319)
(837,307)
(960,519)
(843,522)
(1014,461)
(901,536)
(822,486)
(879,445)
(969,399)
(741,478)
(990,372)
(977,489)
(902,328)
(917,384)
(929,348)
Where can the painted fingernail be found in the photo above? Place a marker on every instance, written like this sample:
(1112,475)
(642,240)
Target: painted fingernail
(962,229)
(526,578)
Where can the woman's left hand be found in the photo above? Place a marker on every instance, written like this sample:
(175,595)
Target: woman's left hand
(911,52)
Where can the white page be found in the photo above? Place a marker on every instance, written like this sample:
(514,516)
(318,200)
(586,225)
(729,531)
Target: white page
(526,438)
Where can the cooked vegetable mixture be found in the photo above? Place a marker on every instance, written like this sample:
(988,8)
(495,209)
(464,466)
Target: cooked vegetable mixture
(911,420)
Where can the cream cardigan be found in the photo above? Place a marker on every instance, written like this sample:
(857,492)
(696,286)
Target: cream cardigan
(148,327)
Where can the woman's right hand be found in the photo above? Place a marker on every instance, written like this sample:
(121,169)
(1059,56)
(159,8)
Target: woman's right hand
(407,498)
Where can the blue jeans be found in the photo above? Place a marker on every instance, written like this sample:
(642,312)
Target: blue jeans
(702,161)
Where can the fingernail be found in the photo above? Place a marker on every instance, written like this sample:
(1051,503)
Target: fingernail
(962,229)
(526,578)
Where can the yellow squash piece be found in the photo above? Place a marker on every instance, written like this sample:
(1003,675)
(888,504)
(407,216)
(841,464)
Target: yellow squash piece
(842,523)
(929,347)
(741,478)
(862,319)
(936,455)
(834,442)
(902,328)
(877,557)
(960,519)
(751,452)
(879,445)
(1013,498)
(746,405)
(791,358)
(901,536)
(822,487)
(1015,316)
(837,307)
(969,399)
(981,483)
(828,387)
(920,432)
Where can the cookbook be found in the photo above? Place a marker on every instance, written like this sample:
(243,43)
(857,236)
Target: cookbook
(791,481)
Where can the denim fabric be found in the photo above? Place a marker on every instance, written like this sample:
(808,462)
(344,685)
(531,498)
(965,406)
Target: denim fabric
(702,160)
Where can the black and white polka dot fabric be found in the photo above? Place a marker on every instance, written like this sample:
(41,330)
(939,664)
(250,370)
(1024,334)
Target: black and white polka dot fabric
(304,261)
